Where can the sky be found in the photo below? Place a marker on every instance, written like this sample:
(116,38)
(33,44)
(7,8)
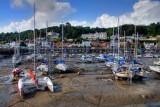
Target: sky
(17,15)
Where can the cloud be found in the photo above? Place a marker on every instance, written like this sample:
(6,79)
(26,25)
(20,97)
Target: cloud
(79,23)
(17,3)
(145,12)
(46,10)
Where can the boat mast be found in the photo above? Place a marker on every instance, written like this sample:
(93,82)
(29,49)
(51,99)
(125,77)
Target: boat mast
(46,38)
(34,42)
(118,39)
(40,38)
(62,39)
(19,37)
(135,42)
(113,41)
(124,44)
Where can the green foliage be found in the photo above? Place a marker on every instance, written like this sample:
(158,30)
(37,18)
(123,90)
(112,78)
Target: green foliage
(57,40)
(148,41)
(73,32)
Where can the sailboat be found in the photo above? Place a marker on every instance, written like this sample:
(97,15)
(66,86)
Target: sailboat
(137,67)
(44,66)
(61,63)
(120,69)
(17,58)
(110,60)
(32,82)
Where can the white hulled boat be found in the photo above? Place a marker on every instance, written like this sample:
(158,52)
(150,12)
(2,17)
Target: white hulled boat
(16,58)
(155,68)
(61,65)
(157,62)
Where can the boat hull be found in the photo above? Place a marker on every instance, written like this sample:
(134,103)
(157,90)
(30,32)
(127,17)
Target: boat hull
(155,68)
(28,85)
(62,67)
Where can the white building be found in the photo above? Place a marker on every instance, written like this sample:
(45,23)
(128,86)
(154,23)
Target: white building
(53,35)
(45,44)
(95,36)
(148,45)
(14,44)
(30,45)
(75,45)
(86,43)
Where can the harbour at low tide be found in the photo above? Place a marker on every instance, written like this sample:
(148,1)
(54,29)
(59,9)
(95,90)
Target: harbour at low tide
(94,86)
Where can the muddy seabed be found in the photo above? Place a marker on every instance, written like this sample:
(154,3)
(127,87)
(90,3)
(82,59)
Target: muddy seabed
(94,87)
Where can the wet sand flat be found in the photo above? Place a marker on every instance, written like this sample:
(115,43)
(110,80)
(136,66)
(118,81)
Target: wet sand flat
(91,88)
(87,90)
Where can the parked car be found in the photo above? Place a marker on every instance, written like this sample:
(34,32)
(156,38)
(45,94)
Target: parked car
(138,56)
(156,55)
(148,56)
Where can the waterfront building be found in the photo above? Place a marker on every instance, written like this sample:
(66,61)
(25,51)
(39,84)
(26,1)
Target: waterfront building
(95,36)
